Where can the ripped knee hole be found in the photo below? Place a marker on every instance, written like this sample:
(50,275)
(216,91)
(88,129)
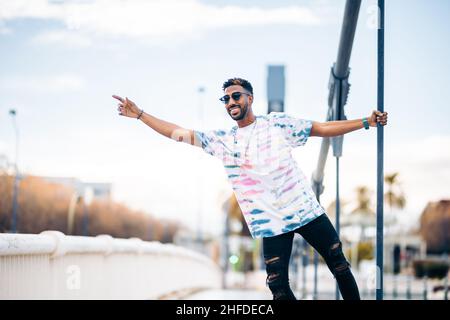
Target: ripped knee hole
(272,260)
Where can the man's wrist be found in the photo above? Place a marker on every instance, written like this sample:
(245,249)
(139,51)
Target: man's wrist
(365,122)
(140,114)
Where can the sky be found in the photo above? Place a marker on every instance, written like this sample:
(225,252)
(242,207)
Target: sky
(62,60)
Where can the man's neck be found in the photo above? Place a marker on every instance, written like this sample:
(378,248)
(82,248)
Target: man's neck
(246,121)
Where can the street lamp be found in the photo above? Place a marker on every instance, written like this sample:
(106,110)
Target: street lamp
(201,91)
(15,207)
(87,200)
(71,212)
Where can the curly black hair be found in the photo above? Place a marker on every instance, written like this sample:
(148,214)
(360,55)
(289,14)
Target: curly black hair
(240,82)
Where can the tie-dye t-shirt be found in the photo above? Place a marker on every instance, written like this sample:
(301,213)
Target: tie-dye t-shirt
(274,195)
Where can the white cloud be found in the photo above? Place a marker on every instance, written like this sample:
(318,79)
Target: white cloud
(42,84)
(4,29)
(155,18)
(68,38)
(2,147)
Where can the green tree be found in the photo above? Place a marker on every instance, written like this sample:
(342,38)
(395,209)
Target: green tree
(394,195)
(363,214)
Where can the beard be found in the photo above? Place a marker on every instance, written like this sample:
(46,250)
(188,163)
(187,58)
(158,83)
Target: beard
(242,112)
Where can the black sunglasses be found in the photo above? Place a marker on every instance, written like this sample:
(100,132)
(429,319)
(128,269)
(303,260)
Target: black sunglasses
(235,95)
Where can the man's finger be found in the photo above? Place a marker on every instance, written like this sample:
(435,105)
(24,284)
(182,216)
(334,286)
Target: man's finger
(128,100)
(118,98)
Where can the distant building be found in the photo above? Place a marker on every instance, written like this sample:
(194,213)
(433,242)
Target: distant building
(435,226)
(99,190)
(275,88)
(6,166)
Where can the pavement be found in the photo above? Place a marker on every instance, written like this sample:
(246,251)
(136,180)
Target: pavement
(251,286)
(231,294)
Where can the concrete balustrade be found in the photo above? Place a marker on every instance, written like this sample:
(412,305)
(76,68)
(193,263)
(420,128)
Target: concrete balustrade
(52,265)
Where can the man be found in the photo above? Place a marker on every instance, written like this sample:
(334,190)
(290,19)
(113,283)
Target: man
(274,195)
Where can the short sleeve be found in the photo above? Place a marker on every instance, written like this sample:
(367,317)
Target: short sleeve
(211,141)
(296,131)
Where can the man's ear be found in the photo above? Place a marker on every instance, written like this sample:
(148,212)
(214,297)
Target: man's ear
(250,99)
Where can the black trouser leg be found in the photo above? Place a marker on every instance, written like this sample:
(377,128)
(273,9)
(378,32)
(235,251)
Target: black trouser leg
(277,252)
(322,236)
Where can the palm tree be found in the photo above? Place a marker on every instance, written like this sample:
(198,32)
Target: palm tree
(394,196)
(363,212)
(363,200)
(362,216)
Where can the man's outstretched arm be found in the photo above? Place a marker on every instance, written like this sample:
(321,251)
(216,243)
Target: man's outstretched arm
(337,128)
(128,108)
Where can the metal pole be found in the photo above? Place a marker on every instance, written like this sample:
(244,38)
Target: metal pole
(340,71)
(316,267)
(380,156)
(227,245)
(446,279)
(304,265)
(15,208)
(71,212)
(408,287)
(447,261)
(337,98)
(201,90)
(85,218)
(425,286)
(337,214)
(316,264)
(394,287)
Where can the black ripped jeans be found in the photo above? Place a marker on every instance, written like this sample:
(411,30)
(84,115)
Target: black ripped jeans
(322,236)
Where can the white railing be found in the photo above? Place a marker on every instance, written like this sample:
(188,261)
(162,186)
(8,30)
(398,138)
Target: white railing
(54,266)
